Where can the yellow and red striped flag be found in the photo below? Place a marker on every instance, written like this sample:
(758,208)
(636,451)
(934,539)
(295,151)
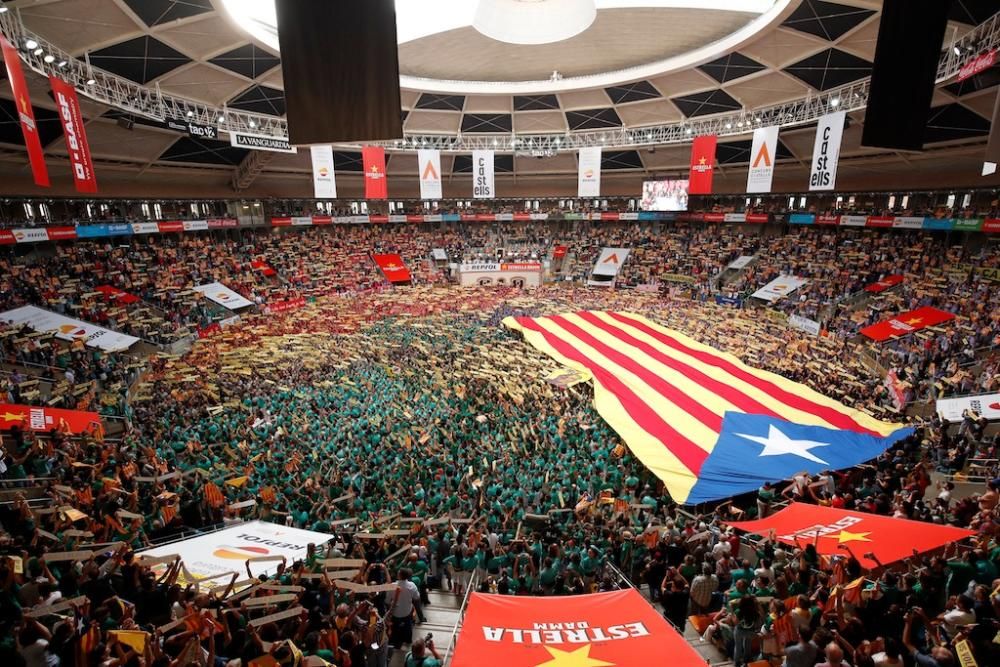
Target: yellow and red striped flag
(705,423)
(213,496)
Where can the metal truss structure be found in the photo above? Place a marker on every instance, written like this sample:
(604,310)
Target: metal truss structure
(127,96)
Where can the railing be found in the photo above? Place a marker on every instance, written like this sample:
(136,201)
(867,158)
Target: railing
(461,616)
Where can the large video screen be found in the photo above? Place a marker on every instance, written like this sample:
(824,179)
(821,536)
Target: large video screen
(665,195)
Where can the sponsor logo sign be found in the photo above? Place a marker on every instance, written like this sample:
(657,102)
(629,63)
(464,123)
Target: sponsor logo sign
(826,151)
(779,288)
(610,261)
(762,155)
(68,329)
(429,164)
(256,142)
(223,296)
(589,172)
(984,405)
(980,63)
(482,175)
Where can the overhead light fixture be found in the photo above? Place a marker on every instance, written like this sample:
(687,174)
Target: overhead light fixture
(49,59)
(3,10)
(30,44)
(63,64)
(252,124)
(687,131)
(835,102)
(91,82)
(729,126)
(957,50)
(221,119)
(190,114)
(39,51)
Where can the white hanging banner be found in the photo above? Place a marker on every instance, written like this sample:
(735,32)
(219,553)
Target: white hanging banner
(589,178)
(429,163)
(762,155)
(324,180)
(826,151)
(68,329)
(482,175)
(223,296)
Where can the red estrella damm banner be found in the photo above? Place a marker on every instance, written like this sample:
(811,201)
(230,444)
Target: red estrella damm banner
(121,296)
(885,283)
(830,529)
(68,108)
(616,629)
(393,268)
(702,163)
(34,418)
(376,186)
(906,323)
(29,128)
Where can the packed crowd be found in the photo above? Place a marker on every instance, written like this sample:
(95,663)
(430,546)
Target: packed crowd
(366,404)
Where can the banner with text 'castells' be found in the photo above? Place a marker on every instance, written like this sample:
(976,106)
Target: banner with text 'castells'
(597,630)
(708,425)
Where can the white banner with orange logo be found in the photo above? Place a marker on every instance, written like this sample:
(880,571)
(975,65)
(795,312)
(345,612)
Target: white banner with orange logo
(228,550)
(223,296)
(324,179)
(589,176)
(610,262)
(66,328)
(429,164)
(762,155)
(779,288)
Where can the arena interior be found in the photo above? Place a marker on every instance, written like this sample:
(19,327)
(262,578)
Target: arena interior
(499,333)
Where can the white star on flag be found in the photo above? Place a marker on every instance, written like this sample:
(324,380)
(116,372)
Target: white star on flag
(778,444)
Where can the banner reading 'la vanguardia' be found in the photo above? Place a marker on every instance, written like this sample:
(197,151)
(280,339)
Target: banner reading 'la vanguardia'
(616,628)
(906,323)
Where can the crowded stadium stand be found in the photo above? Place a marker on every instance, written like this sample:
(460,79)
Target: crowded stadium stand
(639,336)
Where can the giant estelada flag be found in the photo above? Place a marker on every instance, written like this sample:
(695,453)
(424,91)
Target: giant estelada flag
(887,538)
(704,422)
(616,629)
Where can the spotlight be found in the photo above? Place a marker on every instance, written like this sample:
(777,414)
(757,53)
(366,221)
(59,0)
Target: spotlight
(91,82)
(190,114)
(39,51)
(221,119)
(49,59)
(31,45)
(3,10)
(835,102)
(729,126)
(252,124)
(63,64)
(957,51)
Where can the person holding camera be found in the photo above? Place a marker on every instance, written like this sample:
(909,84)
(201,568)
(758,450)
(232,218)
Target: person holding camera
(418,655)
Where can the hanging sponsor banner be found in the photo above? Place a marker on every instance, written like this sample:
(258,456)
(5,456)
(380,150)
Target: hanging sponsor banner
(616,628)
(284,306)
(702,165)
(75,133)
(984,405)
(826,151)
(609,263)
(145,228)
(830,529)
(906,323)
(393,268)
(112,293)
(68,329)
(223,296)
(202,131)
(804,324)
(762,156)
(740,263)
(376,185)
(262,266)
(324,179)
(980,63)
(195,225)
(853,220)
(33,418)
(908,222)
(256,142)
(228,550)
(779,288)
(482,175)
(886,283)
(30,235)
(26,116)
(429,165)
(439,255)
(589,172)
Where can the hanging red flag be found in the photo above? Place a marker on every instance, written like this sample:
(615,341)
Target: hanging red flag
(702,164)
(23,102)
(376,186)
(68,106)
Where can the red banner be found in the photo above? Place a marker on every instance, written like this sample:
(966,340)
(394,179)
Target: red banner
(829,528)
(378,219)
(980,63)
(7,237)
(758,218)
(32,418)
(885,283)
(22,101)
(210,330)
(906,323)
(222,223)
(702,163)
(880,221)
(827,219)
(376,186)
(522,217)
(61,233)
(68,107)
(263,267)
(121,296)
(414,218)
(714,217)
(283,306)
(617,628)
(559,252)
(322,220)
(393,268)
(168,227)
(991,225)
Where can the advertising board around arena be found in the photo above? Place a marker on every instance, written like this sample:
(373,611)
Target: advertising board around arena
(7,237)
(228,550)
(61,233)
(779,288)
(145,228)
(68,329)
(853,220)
(195,225)
(30,235)
(170,227)
(984,405)
(801,219)
(222,295)
(483,274)
(827,219)
(222,223)
(967,224)
(908,222)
